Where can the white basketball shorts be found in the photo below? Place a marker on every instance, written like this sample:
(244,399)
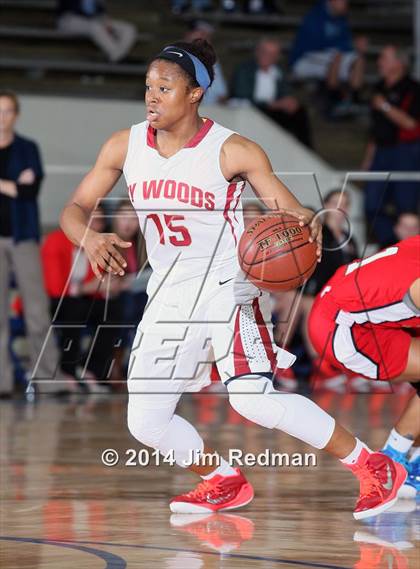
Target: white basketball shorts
(188,326)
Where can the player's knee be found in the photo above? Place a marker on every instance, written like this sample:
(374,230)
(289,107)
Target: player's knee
(146,425)
(247,395)
(255,399)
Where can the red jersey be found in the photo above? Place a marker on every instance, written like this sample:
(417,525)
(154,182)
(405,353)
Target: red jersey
(375,289)
(363,319)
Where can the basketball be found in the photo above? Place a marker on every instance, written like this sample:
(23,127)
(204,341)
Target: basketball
(275,253)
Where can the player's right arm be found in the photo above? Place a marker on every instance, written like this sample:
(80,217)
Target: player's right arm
(100,248)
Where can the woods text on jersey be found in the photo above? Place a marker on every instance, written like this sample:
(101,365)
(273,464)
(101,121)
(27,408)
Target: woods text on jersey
(173,190)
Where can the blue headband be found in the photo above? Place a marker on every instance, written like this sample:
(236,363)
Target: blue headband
(197,70)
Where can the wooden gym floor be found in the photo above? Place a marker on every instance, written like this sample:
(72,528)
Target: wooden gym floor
(63,509)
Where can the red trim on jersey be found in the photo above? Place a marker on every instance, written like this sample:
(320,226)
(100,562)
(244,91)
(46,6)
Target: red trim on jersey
(240,360)
(229,198)
(195,140)
(198,137)
(265,336)
(151,132)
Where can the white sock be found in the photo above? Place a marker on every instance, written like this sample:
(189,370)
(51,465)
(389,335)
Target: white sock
(398,442)
(415,454)
(353,457)
(224,469)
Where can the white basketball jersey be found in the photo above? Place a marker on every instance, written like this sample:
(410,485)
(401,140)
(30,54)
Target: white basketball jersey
(189,214)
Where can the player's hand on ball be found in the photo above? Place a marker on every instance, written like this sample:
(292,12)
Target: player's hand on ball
(244,291)
(101,250)
(307,217)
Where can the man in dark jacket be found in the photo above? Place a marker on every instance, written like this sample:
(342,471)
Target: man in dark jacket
(323,48)
(20,179)
(262,82)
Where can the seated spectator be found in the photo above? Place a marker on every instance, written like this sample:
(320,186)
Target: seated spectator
(21,174)
(80,303)
(262,82)
(217,93)
(132,297)
(338,248)
(407,225)
(394,144)
(88,18)
(323,50)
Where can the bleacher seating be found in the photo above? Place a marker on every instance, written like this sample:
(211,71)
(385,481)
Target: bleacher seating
(31,48)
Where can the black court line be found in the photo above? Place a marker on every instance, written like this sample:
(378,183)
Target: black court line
(112,561)
(102,554)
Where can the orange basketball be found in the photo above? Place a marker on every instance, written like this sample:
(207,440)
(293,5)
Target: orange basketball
(275,253)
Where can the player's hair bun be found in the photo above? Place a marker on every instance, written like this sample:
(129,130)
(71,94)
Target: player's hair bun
(203,50)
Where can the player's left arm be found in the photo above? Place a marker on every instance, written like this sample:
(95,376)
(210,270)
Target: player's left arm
(241,157)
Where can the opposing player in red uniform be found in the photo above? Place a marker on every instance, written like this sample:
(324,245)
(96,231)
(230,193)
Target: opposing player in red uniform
(366,321)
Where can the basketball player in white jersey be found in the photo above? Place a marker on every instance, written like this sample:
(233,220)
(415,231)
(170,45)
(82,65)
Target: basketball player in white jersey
(185,175)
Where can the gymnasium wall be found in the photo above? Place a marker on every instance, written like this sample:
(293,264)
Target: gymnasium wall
(70,132)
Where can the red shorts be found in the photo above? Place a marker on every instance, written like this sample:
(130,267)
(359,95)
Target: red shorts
(374,351)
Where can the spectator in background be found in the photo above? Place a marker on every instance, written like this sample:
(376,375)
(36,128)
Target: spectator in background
(132,297)
(88,18)
(394,144)
(262,82)
(407,225)
(323,50)
(252,209)
(338,248)
(180,6)
(21,175)
(250,6)
(67,275)
(217,93)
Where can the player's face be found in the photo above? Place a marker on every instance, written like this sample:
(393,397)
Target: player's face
(388,61)
(168,95)
(8,114)
(268,53)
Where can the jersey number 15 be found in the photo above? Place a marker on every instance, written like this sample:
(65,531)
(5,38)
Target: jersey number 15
(178,235)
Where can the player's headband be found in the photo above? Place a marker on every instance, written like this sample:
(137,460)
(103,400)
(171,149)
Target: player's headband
(189,62)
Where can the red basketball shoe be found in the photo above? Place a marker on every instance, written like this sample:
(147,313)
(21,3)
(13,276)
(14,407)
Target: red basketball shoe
(218,493)
(380,479)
